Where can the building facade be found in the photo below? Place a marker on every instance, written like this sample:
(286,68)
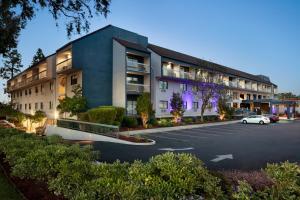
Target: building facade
(114,66)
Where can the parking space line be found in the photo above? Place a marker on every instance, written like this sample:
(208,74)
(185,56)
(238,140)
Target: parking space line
(202,132)
(185,135)
(169,138)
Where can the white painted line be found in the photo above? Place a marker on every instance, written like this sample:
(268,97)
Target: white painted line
(177,149)
(170,138)
(184,135)
(222,157)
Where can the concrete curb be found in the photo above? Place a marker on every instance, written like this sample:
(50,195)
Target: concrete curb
(165,129)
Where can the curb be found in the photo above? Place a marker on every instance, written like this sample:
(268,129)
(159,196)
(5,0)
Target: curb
(165,129)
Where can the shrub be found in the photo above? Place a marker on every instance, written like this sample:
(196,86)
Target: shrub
(120,112)
(84,116)
(144,108)
(102,115)
(130,122)
(177,107)
(188,120)
(165,122)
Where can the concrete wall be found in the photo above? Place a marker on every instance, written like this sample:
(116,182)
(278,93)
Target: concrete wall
(119,75)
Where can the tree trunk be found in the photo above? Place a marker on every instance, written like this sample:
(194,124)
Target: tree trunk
(202,112)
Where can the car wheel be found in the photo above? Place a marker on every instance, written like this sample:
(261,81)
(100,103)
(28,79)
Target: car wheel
(261,122)
(244,122)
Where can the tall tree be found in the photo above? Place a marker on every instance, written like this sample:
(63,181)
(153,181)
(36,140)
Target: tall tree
(14,15)
(144,108)
(177,107)
(39,55)
(12,64)
(286,95)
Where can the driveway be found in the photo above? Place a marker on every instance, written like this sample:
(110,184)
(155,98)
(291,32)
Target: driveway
(234,146)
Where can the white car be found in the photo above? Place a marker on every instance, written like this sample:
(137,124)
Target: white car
(256,119)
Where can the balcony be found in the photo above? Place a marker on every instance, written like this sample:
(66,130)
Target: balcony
(35,78)
(137,88)
(178,74)
(232,84)
(64,65)
(135,66)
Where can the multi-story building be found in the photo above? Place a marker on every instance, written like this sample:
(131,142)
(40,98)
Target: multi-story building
(114,66)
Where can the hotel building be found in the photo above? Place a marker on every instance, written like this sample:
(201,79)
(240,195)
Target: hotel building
(114,66)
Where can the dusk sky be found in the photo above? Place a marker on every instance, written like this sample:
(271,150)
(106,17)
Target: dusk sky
(258,37)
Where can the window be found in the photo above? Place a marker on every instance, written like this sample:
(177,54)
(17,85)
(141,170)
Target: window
(163,105)
(36,106)
(36,90)
(25,92)
(74,79)
(42,87)
(42,106)
(163,85)
(184,105)
(183,87)
(195,105)
(29,106)
(50,105)
(20,106)
(17,94)
(29,91)
(25,106)
(21,93)
(51,86)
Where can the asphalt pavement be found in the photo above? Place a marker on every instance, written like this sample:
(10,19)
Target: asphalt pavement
(224,147)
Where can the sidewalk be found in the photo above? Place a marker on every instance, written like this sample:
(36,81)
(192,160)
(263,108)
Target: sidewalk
(176,128)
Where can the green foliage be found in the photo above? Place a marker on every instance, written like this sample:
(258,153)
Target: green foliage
(39,116)
(12,64)
(120,112)
(165,122)
(144,108)
(177,107)
(75,14)
(188,120)
(73,105)
(130,122)
(83,116)
(39,55)
(102,115)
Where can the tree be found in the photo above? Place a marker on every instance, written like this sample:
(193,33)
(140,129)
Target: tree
(177,107)
(15,14)
(39,55)
(73,105)
(144,108)
(12,65)
(210,91)
(286,95)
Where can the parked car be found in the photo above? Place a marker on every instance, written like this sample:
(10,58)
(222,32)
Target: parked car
(273,118)
(256,119)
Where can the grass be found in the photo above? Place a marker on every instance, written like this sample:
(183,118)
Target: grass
(7,191)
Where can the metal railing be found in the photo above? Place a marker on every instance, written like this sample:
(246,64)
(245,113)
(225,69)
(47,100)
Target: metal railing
(28,80)
(139,88)
(178,74)
(100,129)
(64,65)
(137,67)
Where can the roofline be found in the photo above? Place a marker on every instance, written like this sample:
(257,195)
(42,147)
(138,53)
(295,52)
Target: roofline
(204,61)
(136,49)
(32,66)
(71,42)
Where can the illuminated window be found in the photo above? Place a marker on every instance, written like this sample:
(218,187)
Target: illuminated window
(183,87)
(74,79)
(163,85)
(163,104)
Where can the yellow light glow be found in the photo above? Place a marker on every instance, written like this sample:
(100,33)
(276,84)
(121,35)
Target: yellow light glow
(56,114)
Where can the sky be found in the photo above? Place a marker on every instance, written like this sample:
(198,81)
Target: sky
(258,37)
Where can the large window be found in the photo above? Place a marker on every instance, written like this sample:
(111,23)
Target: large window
(163,105)
(134,79)
(184,105)
(183,87)
(41,105)
(36,106)
(195,105)
(163,85)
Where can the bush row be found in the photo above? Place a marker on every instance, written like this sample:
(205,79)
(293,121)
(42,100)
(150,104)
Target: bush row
(70,170)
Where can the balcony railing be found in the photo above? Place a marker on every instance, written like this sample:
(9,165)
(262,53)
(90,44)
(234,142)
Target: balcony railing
(137,67)
(64,65)
(232,84)
(137,88)
(178,74)
(29,80)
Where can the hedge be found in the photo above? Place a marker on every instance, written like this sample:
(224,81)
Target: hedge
(70,171)
(102,115)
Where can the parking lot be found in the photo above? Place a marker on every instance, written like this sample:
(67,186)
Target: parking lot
(234,146)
